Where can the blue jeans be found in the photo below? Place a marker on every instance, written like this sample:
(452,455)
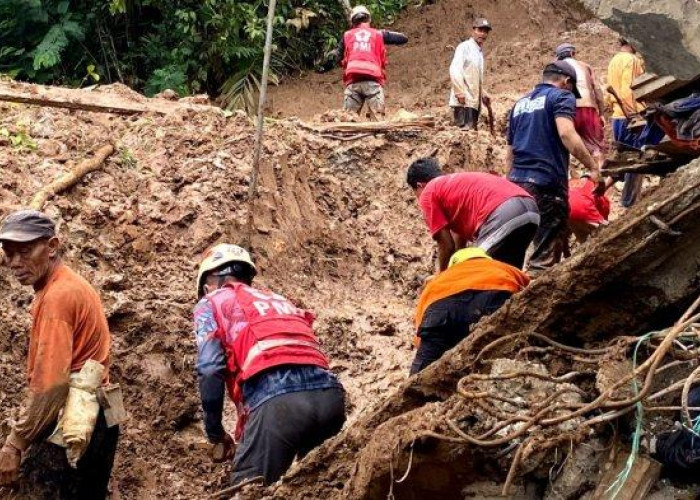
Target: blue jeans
(651,134)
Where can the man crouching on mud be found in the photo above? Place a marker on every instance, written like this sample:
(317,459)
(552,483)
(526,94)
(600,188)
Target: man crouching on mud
(69,328)
(262,349)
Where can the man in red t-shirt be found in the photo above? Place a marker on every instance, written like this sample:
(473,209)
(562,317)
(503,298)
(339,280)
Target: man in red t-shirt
(483,209)
(588,210)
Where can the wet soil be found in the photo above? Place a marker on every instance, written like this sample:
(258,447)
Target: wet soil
(336,229)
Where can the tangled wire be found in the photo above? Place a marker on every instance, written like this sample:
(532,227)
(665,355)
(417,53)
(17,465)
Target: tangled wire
(526,424)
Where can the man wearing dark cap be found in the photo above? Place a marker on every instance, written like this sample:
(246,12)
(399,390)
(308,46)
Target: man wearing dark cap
(69,328)
(467,77)
(541,135)
(590,107)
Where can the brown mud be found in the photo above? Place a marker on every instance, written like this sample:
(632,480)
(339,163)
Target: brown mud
(525,34)
(336,230)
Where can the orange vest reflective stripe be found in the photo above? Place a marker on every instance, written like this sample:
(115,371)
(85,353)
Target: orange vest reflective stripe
(259,330)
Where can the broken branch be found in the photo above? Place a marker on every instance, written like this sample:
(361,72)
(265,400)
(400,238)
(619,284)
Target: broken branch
(70,179)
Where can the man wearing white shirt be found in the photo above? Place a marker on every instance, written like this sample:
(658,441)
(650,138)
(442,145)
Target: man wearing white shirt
(467,76)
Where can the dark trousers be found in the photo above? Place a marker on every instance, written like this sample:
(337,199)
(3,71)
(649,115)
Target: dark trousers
(512,248)
(467,118)
(631,190)
(285,427)
(46,474)
(554,215)
(446,322)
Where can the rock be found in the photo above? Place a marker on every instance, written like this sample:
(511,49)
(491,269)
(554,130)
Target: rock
(664,31)
(168,94)
(580,472)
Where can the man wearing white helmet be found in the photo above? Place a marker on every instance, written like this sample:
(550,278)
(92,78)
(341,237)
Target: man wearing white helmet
(362,53)
(262,350)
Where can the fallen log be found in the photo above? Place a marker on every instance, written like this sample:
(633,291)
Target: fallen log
(87,100)
(631,278)
(652,168)
(70,179)
(372,127)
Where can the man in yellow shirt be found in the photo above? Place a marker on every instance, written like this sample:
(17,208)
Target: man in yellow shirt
(624,67)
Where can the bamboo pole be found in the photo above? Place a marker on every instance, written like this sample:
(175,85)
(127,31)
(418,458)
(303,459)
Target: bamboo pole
(253,187)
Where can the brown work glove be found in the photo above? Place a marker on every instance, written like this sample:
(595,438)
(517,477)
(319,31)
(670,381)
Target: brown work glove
(223,451)
(10,458)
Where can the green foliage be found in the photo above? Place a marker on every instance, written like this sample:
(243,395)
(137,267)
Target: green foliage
(127,159)
(191,46)
(48,53)
(170,77)
(35,36)
(19,139)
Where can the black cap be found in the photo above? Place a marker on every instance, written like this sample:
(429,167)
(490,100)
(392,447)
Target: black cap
(481,22)
(566,69)
(27,225)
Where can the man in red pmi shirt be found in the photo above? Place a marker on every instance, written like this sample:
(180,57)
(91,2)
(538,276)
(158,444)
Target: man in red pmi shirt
(362,53)
(483,209)
(588,210)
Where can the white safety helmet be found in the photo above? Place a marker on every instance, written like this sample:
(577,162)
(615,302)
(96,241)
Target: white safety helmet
(219,256)
(358,11)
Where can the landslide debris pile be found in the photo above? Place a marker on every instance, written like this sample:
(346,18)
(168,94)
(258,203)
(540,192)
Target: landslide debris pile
(510,403)
(336,230)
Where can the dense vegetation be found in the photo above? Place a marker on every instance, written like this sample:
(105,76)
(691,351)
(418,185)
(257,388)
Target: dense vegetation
(191,46)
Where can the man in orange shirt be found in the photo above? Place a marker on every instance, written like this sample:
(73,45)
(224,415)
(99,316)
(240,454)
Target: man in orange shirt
(474,286)
(69,328)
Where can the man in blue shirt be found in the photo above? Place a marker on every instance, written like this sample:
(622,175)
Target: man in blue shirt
(541,135)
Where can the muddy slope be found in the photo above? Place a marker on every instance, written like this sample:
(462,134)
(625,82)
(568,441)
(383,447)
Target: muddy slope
(525,35)
(336,231)
(633,278)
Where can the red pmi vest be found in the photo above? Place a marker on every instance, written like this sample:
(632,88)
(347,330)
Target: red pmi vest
(365,55)
(277,333)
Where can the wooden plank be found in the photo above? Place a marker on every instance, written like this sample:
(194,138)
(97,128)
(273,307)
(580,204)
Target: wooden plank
(644,474)
(657,88)
(660,168)
(671,148)
(643,79)
(86,100)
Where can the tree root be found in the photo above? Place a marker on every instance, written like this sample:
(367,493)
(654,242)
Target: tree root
(70,179)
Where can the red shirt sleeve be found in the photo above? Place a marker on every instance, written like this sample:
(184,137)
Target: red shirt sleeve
(433,213)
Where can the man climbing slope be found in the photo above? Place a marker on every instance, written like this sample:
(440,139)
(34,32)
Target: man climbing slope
(259,347)
(69,328)
(590,107)
(541,135)
(472,287)
(364,60)
(467,77)
(498,216)
(624,67)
